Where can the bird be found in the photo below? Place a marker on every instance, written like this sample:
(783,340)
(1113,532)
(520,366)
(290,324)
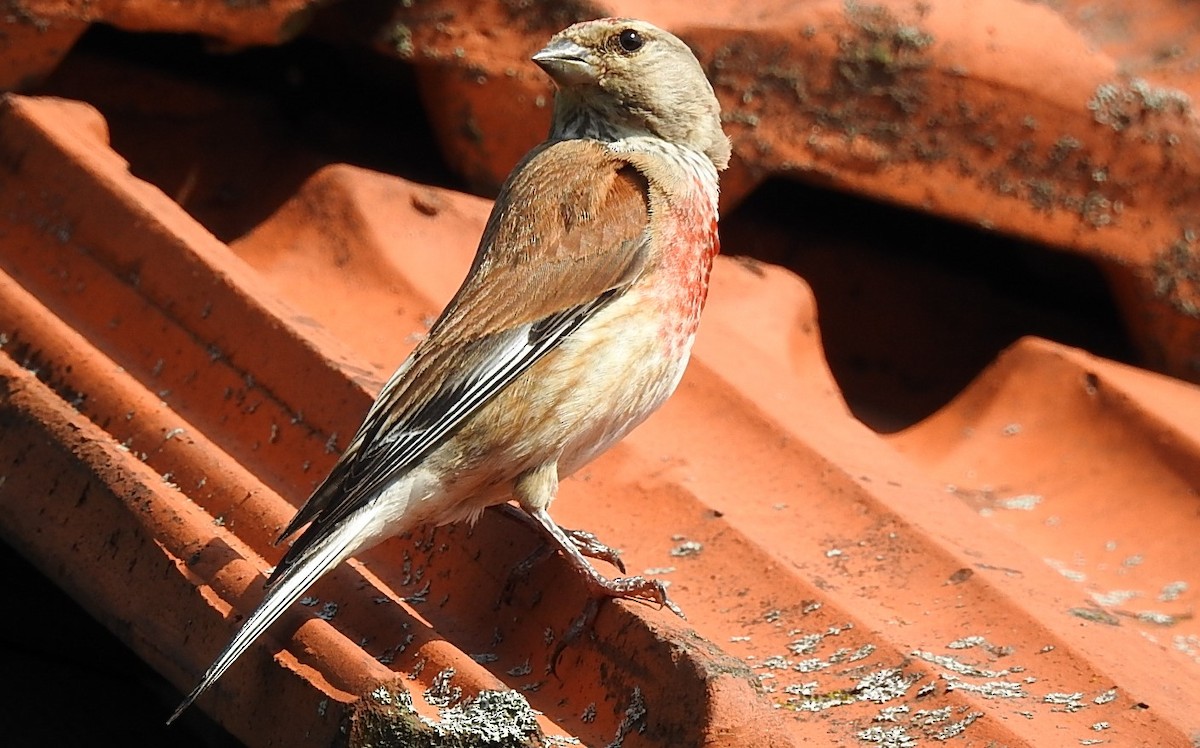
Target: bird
(574,323)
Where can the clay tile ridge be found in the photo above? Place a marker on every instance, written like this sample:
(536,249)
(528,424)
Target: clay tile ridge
(991,574)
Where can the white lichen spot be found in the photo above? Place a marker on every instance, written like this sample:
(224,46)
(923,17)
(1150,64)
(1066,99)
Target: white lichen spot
(654,571)
(930,717)
(891,713)
(957,666)
(1025,502)
(776,662)
(884,685)
(1062,568)
(1069,702)
(420,595)
(954,729)
(806,644)
(890,737)
(997,689)
(441,692)
(687,548)
(1113,598)
(811,665)
(1122,104)
(382,695)
(1172,590)
(1189,645)
(490,718)
(862,653)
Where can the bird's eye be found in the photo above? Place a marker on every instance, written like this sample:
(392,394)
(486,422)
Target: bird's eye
(629,41)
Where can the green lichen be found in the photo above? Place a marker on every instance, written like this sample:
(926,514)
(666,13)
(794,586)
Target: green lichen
(878,60)
(549,15)
(492,719)
(1176,272)
(400,40)
(1123,104)
(1095,615)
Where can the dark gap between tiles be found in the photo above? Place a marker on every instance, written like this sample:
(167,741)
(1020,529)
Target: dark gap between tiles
(74,683)
(911,307)
(231,136)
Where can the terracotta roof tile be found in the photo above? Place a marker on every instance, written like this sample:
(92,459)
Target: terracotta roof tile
(1017,568)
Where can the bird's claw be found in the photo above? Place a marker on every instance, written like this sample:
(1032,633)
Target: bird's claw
(590,546)
(587,543)
(638,589)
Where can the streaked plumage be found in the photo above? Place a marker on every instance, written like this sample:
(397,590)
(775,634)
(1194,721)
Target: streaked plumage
(574,323)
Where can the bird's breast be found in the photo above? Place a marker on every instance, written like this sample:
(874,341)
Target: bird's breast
(617,370)
(619,366)
(634,352)
(683,231)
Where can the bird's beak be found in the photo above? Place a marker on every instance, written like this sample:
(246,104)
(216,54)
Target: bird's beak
(567,63)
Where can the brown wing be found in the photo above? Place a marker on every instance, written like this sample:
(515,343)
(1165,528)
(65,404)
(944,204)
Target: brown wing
(567,235)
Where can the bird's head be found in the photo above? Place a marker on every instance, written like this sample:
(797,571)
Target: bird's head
(618,77)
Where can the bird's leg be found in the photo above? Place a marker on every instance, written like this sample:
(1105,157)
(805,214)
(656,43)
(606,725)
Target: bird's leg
(631,588)
(535,489)
(587,543)
(590,546)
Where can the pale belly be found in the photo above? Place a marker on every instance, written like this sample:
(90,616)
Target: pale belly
(636,369)
(570,407)
(601,382)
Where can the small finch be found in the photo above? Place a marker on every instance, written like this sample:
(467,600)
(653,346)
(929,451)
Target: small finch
(574,323)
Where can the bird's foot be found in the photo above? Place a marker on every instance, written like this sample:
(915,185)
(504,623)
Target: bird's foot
(584,541)
(639,589)
(575,545)
(587,543)
(590,546)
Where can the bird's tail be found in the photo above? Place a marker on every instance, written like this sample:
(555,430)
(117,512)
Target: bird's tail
(323,556)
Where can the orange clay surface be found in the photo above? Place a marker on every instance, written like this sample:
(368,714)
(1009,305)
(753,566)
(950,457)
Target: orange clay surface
(904,493)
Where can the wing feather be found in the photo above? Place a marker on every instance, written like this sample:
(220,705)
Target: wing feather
(568,234)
